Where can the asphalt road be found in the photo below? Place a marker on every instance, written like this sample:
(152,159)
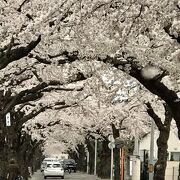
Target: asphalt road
(73,176)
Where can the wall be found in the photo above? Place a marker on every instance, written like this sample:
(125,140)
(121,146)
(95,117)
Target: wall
(172,170)
(173,144)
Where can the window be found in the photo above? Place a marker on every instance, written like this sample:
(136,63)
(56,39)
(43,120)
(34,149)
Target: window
(49,165)
(56,165)
(175,156)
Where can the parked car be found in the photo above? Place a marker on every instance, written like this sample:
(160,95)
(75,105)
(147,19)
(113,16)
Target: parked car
(43,164)
(69,165)
(53,169)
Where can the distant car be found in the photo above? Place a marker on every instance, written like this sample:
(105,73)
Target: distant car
(43,164)
(69,164)
(53,169)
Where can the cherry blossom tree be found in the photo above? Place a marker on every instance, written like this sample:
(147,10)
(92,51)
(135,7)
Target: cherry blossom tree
(164,128)
(117,33)
(118,24)
(59,42)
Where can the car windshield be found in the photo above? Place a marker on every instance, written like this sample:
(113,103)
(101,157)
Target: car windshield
(67,161)
(46,160)
(53,165)
(56,165)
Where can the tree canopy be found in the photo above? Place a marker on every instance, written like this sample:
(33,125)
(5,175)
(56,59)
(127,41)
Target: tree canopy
(46,45)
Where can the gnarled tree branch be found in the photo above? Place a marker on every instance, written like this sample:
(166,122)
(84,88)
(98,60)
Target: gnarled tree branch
(18,53)
(153,85)
(154,116)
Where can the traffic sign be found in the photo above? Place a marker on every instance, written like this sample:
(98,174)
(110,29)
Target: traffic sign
(150,168)
(111,145)
(8,119)
(111,138)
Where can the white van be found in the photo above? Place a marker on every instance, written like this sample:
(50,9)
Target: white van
(43,164)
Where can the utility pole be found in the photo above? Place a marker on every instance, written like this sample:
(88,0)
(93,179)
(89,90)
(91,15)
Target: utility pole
(111,146)
(151,157)
(87,162)
(95,157)
(136,160)
(112,163)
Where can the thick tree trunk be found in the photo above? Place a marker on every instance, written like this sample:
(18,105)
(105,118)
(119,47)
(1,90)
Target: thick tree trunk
(2,161)
(13,145)
(29,155)
(160,166)
(104,160)
(116,155)
(3,151)
(116,163)
(162,141)
(79,157)
(3,165)
(3,157)
(90,145)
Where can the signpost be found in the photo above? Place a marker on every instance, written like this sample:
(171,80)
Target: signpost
(150,168)
(8,119)
(111,146)
(111,138)
(7,138)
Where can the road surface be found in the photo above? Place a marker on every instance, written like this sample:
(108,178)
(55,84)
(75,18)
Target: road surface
(73,176)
